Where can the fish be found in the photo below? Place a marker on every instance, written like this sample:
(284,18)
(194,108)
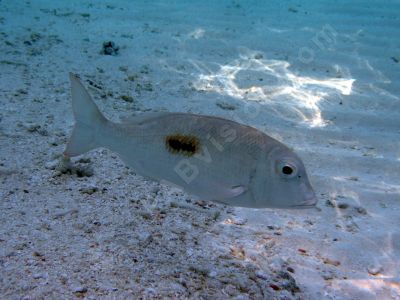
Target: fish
(210,157)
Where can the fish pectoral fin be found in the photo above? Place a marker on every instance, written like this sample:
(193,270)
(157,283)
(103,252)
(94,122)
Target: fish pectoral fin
(235,191)
(231,195)
(222,194)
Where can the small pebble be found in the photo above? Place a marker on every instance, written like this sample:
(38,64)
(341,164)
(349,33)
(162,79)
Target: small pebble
(238,252)
(84,160)
(269,244)
(277,264)
(201,270)
(342,205)
(80,289)
(37,254)
(290,269)
(225,105)
(127,98)
(145,215)
(109,48)
(33,127)
(328,275)
(332,262)
(38,276)
(361,210)
(374,269)
(236,221)
(275,287)
(84,171)
(52,165)
(89,190)
(330,203)
(261,274)
(212,274)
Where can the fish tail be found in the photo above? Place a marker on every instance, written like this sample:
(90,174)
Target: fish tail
(88,120)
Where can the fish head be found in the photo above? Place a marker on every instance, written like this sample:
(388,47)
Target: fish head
(286,182)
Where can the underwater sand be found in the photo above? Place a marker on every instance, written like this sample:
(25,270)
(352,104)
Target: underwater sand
(321,77)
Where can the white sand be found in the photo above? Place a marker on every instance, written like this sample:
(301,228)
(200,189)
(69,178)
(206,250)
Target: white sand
(321,77)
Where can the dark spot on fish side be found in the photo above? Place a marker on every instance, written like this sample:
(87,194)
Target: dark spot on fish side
(182,144)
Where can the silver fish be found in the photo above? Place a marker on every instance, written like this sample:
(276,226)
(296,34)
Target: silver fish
(213,158)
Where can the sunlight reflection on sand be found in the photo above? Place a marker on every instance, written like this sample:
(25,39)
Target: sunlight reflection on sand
(371,286)
(298,94)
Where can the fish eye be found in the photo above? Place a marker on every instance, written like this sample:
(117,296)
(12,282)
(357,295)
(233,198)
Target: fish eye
(286,170)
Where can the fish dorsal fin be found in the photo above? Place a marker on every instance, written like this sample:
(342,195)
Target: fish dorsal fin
(144,117)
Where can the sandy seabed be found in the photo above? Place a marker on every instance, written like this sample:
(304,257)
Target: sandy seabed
(321,77)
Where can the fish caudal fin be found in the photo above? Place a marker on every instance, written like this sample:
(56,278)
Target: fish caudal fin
(88,120)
